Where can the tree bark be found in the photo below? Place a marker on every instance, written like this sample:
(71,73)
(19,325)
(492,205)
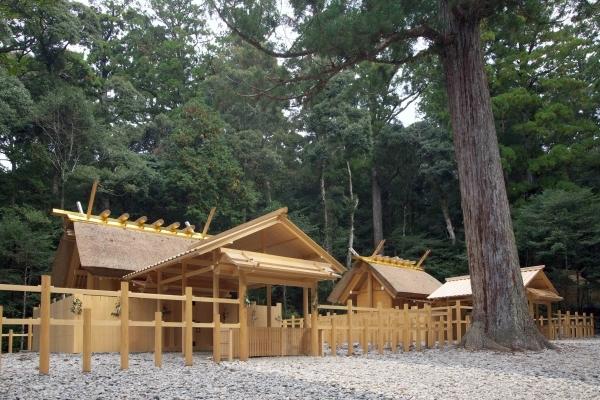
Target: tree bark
(326,229)
(447,220)
(500,316)
(376,209)
(353,206)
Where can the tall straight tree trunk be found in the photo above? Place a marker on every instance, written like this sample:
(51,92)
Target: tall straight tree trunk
(353,206)
(377,210)
(500,316)
(447,220)
(326,229)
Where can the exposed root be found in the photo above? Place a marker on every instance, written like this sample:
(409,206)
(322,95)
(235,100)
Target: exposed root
(477,339)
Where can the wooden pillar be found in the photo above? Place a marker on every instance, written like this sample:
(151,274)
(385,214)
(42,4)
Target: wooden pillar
(182,304)
(350,317)
(380,342)
(305,309)
(216,317)
(124,325)
(243,318)
(189,330)
(158,339)
(333,342)
(10,340)
(269,290)
(314,329)
(449,327)
(45,326)
(89,281)
(87,340)
(158,289)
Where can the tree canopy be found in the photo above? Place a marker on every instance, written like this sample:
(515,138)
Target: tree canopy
(176,114)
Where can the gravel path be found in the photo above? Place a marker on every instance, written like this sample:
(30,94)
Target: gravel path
(572,373)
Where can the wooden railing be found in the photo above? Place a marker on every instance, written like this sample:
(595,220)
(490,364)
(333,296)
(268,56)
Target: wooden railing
(407,328)
(426,327)
(44,322)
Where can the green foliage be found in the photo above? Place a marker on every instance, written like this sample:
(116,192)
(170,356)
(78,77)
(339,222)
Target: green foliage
(175,119)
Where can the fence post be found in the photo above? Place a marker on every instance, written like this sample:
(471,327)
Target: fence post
(430,337)
(230,344)
(568,324)
(365,338)
(283,338)
(314,320)
(393,332)
(158,339)
(243,318)
(593,324)
(87,340)
(350,327)
(44,367)
(458,322)
(379,328)
(29,335)
(10,340)
(1,316)
(449,327)
(560,325)
(333,343)
(418,341)
(406,329)
(189,332)
(124,325)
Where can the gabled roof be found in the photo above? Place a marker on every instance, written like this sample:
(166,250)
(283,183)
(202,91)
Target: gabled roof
(399,278)
(109,249)
(533,278)
(236,236)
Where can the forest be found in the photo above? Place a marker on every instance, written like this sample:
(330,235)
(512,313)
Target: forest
(175,113)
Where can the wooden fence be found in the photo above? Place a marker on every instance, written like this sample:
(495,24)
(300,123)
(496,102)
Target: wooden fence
(45,321)
(407,328)
(412,328)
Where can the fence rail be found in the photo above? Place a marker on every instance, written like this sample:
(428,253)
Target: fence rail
(45,321)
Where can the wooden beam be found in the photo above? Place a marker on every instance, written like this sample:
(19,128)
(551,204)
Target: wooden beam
(422,259)
(314,329)
(305,309)
(44,366)
(211,214)
(188,275)
(124,325)
(216,317)
(243,318)
(92,198)
(378,248)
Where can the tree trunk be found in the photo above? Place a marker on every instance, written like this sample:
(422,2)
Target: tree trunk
(326,241)
(377,213)
(500,317)
(353,206)
(449,226)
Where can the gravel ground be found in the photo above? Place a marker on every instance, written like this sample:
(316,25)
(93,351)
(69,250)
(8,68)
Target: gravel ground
(571,373)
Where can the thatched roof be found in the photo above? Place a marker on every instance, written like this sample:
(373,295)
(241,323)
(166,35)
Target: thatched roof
(534,279)
(399,280)
(108,248)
